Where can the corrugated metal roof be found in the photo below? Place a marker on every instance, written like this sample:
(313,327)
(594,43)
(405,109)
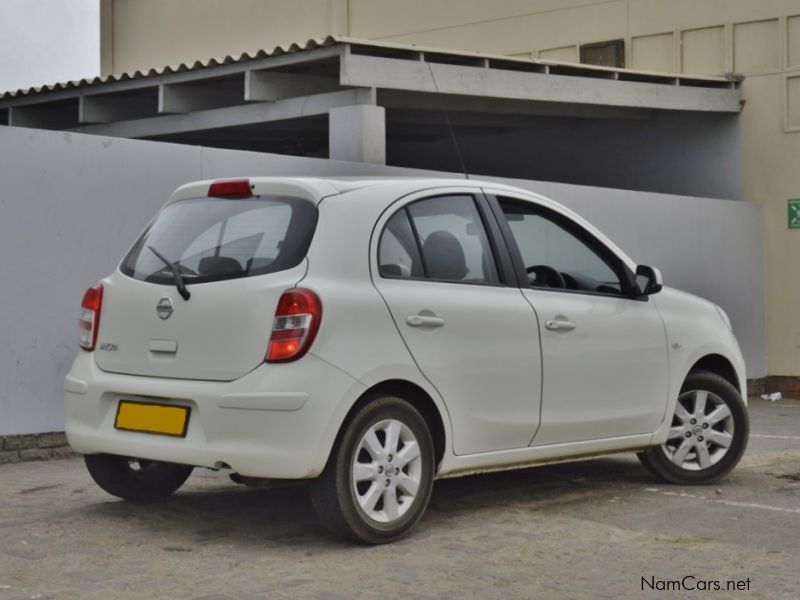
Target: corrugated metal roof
(198,64)
(328,41)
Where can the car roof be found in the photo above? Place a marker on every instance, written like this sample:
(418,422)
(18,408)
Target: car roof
(316,188)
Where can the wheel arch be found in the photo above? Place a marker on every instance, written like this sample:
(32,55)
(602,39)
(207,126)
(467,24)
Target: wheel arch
(719,365)
(418,398)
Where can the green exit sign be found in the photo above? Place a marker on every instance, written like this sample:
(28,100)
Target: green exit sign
(794,213)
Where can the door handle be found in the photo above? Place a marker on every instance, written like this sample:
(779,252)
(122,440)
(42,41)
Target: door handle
(559,325)
(424,321)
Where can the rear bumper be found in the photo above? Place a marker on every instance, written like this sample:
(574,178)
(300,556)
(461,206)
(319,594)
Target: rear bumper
(278,421)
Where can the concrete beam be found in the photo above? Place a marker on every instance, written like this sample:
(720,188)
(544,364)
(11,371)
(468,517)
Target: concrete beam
(498,109)
(357,134)
(178,98)
(419,76)
(233,116)
(268,85)
(107,108)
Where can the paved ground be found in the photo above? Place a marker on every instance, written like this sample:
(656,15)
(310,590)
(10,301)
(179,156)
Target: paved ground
(586,530)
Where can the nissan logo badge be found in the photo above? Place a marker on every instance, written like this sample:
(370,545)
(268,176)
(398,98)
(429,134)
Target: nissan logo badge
(164,308)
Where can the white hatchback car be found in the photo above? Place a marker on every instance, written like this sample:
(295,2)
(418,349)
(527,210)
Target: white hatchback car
(372,335)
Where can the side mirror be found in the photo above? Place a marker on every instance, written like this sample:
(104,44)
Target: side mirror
(648,280)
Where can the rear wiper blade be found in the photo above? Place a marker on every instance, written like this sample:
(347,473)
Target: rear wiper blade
(179,283)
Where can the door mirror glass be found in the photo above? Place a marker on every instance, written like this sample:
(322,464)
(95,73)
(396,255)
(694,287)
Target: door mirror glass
(648,280)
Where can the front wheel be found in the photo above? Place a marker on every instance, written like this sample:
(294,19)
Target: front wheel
(135,479)
(708,435)
(379,477)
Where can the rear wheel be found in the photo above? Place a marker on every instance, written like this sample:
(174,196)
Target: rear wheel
(708,435)
(379,477)
(135,479)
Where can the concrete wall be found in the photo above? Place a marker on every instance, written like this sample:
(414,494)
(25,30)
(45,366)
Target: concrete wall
(72,204)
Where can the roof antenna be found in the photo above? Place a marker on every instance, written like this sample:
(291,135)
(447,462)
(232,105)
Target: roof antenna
(449,125)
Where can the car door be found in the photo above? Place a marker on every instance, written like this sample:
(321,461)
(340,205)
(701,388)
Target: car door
(604,347)
(472,334)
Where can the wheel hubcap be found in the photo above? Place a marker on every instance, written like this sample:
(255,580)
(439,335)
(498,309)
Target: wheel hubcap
(701,432)
(387,467)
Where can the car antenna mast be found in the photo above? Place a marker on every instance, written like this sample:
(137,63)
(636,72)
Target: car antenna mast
(449,125)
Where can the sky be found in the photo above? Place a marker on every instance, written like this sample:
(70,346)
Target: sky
(48,41)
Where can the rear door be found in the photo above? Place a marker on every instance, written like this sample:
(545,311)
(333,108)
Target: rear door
(472,334)
(604,352)
(236,256)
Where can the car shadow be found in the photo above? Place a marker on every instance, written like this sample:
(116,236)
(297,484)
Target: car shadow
(282,515)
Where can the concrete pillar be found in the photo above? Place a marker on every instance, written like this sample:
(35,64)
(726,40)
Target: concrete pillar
(357,134)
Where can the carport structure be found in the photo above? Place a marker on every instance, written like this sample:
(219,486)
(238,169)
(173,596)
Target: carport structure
(401,105)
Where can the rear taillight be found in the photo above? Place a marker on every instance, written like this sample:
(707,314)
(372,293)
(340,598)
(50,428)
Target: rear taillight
(230,188)
(90,317)
(295,327)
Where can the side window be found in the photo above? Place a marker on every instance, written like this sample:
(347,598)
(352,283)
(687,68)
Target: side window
(398,255)
(554,256)
(452,240)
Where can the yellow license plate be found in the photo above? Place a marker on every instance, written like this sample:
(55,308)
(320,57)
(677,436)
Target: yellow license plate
(149,417)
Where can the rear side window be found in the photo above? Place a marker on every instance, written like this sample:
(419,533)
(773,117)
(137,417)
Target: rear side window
(398,253)
(440,238)
(210,239)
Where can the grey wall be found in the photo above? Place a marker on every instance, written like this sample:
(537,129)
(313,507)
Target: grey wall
(71,204)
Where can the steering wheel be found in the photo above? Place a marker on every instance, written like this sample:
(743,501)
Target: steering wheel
(548,276)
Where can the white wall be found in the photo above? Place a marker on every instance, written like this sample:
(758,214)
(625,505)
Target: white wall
(71,204)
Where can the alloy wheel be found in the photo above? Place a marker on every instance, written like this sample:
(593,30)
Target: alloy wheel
(702,431)
(386,471)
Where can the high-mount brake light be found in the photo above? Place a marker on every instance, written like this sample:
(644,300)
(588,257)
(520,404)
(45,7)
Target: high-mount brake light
(230,188)
(89,320)
(297,319)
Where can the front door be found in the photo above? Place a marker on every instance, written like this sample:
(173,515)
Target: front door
(604,353)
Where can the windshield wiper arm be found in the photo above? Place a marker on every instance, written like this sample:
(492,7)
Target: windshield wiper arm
(179,283)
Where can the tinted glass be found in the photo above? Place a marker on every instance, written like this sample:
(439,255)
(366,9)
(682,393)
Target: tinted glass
(543,242)
(398,255)
(453,240)
(212,238)
(604,54)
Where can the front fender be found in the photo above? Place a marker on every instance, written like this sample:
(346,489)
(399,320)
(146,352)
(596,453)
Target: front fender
(694,331)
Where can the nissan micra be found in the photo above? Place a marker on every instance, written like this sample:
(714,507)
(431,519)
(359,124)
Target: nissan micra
(373,335)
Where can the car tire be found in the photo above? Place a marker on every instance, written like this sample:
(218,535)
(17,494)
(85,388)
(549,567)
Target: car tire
(708,435)
(379,477)
(136,480)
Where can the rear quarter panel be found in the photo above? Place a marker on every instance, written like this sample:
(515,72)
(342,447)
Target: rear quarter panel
(357,333)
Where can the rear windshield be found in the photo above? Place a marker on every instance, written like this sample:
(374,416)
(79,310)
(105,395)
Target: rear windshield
(210,239)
